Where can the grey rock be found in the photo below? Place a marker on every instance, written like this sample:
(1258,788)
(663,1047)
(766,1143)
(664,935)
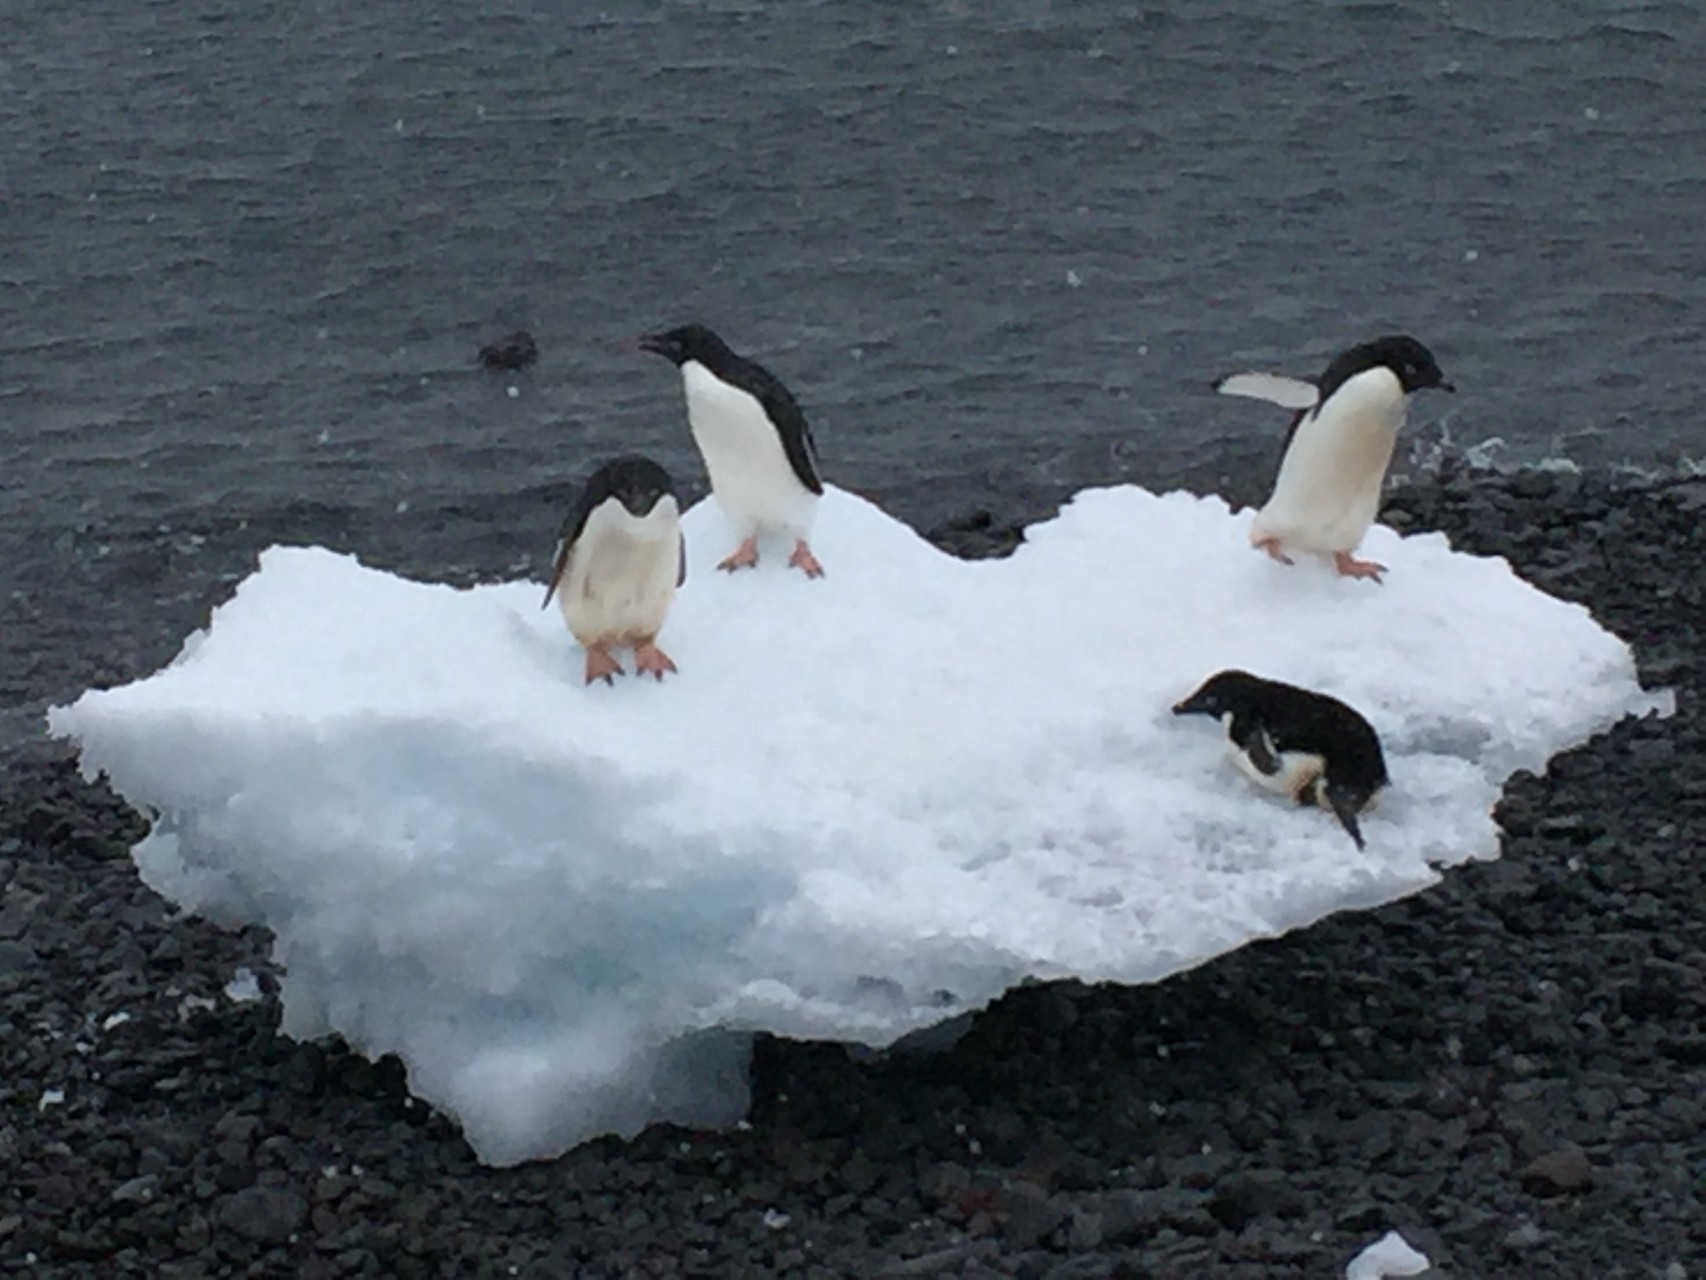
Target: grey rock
(1240,1199)
(1085,1232)
(17,911)
(266,1215)
(1083,1268)
(1132,1216)
(1525,1235)
(943,1182)
(1556,1173)
(939,1261)
(138,1190)
(1030,1214)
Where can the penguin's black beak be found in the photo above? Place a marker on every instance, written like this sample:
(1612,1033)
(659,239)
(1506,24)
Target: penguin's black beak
(1445,386)
(657,343)
(641,502)
(1190,707)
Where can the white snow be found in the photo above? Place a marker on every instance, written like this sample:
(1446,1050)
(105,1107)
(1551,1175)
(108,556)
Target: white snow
(866,804)
(1391,1255)
(244,986)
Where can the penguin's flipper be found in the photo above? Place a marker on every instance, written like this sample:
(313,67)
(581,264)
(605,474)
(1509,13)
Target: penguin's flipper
(1253,740)
(590,496)
(1288,393)
(560,566)
(797,443)
(1346,806)
(1291,431)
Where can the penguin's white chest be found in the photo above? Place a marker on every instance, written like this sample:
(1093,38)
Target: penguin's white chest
(621,573)
(1299,773)
(1328,489)
(750,475)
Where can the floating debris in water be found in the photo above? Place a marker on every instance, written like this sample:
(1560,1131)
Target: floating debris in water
(512,351)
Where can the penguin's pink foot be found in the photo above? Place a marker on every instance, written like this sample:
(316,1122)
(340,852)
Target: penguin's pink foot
(1350,567)
(744,556)
(1272,547)
(804,560)
(601,666)
(649,660)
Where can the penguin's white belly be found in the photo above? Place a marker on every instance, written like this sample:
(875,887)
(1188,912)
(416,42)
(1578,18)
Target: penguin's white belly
(1299,772)
(1328,489)
(750,475)
(621,574)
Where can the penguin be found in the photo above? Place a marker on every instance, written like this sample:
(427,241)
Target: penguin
(1344,427)
(618,563)
(757,447)
(1297,742)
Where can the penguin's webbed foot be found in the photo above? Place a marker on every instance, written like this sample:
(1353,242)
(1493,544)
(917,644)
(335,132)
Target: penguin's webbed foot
(1274,550)
(601,666)
(1350,567)
(744,556)
(649,660)
(804,560)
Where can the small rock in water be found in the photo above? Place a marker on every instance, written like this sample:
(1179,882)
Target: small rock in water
(514,350)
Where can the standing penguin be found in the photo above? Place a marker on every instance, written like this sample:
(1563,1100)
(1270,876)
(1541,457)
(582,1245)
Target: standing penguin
(755,442)
(1296,742)
(620,559)
(1328,489)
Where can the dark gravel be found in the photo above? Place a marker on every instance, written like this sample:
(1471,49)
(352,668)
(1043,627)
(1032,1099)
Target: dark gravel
(1510,1068)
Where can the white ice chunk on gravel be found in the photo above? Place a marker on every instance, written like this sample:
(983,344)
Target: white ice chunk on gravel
(244,987)
(865,805)
(1389,1256)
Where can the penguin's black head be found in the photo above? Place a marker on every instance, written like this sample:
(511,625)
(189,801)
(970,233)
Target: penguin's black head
(636,482)
(1226,692)
(1410,360)
(689,342)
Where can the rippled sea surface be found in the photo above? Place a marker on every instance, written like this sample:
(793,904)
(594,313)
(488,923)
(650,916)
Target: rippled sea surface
(999,250)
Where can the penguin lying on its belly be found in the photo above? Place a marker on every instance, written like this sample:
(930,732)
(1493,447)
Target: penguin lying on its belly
(757,447)
(1327,492)
(620,559)
(1296,742)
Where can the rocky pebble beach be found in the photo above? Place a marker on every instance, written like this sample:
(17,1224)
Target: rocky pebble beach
(1509,1068)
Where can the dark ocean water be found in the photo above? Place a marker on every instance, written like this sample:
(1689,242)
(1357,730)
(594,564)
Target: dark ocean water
(999,250)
